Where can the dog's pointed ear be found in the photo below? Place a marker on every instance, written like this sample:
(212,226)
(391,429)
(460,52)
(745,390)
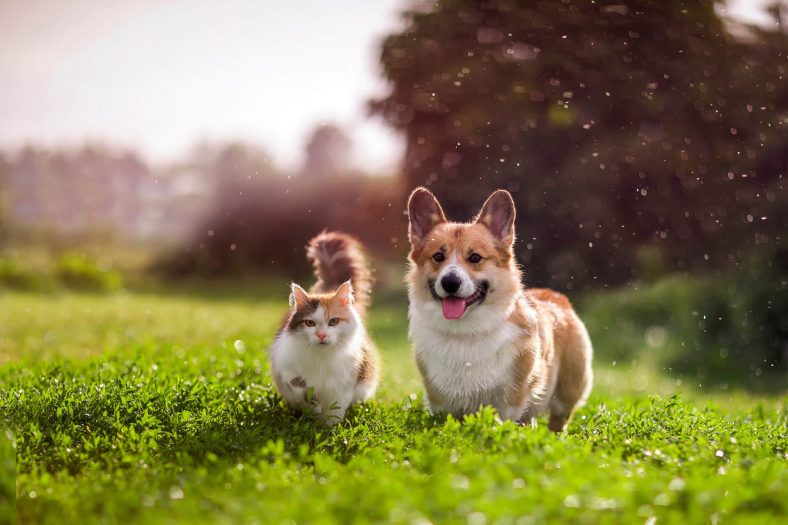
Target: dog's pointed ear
(424,213)
(498,215)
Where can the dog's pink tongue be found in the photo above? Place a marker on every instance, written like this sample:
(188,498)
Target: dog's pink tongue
(453,307)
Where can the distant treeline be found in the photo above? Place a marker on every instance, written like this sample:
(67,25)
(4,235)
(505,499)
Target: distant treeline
(96,193)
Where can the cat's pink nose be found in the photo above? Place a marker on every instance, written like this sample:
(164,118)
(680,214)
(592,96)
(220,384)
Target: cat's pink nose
(321,335)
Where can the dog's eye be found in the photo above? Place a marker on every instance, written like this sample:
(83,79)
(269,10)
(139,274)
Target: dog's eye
(309,322)
(475,258)
(333,321)
(438,257)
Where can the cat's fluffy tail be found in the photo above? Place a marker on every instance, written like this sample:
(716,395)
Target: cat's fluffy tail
(337,257)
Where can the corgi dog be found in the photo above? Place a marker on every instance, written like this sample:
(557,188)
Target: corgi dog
(480,337)
(322,359)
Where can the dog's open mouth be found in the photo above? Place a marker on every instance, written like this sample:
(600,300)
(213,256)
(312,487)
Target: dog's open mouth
(455,307)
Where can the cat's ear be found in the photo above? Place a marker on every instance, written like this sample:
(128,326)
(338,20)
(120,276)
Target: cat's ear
(297,297)
(344,294)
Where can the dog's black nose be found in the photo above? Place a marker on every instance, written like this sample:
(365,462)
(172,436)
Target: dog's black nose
(450,282)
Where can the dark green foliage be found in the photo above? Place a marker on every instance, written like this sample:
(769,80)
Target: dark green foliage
(615,126)
(7,476)
(724,330)
(747,315)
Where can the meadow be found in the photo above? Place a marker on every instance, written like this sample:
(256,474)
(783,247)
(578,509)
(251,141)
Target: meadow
(154,405)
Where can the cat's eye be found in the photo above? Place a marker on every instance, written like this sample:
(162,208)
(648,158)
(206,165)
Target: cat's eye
(309,322)
(333,321)
(475,258)
(438,257)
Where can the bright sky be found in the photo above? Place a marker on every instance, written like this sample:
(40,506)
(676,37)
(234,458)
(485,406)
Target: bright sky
(161,75)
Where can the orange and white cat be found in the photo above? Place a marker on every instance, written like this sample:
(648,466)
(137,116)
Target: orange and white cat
(480,337)
(322,359)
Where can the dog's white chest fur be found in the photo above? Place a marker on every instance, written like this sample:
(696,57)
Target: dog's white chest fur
(470,369)
(466,364)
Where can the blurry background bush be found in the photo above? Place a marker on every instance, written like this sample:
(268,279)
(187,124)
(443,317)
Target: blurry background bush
(81,272)
(260,220)
(72,270)
(724,329)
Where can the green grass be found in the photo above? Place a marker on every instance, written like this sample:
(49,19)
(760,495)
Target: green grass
(140,407)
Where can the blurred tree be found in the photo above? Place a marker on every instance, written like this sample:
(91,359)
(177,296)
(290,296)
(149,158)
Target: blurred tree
(261,219)
(327,152)
(238,171)
(615,126)
(239,174)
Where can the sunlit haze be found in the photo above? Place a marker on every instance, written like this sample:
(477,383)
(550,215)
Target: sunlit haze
(162,75)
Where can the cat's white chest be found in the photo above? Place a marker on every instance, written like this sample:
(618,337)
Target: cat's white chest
(331,372)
